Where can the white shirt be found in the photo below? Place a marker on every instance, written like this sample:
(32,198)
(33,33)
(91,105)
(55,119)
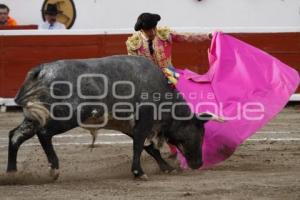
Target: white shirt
(55,26)
(144,37)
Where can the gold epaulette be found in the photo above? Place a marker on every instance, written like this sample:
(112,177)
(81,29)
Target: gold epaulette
(134,42)
(163,33)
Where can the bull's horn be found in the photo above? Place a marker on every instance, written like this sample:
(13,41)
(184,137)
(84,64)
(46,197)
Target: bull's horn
(211,116)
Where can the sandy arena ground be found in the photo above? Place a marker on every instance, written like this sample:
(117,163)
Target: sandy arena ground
(259,169)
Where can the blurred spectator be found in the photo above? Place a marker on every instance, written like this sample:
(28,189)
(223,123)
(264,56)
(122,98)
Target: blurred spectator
(6,20)
(51,22)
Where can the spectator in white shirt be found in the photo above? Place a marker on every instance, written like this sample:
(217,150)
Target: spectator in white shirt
(51,22)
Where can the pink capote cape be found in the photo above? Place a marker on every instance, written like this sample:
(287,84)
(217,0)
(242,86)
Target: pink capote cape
(245,85)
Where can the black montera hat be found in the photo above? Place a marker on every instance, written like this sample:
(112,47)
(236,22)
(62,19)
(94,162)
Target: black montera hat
(146,21)
(52,9)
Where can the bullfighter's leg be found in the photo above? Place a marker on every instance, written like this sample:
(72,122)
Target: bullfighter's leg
(46,142)
(141,130)
(17,136)
(155,153)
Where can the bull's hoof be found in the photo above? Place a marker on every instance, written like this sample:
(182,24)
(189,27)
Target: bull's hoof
(166,168)
(143,177)
(54,174)
(91,147)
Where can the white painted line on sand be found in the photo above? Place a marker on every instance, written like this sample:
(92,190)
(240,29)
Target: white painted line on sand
(130,142)
(274,139)
(73,144)
(273,132)
(79,135)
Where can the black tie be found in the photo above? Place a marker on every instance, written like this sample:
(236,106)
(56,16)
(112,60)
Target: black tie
(150,45)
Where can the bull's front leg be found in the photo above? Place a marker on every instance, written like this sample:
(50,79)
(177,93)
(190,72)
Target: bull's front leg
(141,130)
(155,153)
(46,142)
(17,136)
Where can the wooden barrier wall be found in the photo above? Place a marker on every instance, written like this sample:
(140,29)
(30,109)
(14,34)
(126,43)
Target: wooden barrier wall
(18,54)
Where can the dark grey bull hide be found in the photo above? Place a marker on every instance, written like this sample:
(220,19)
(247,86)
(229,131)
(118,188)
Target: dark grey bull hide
(127,93)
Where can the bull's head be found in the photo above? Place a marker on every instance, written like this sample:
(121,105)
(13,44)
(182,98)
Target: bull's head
(188,135)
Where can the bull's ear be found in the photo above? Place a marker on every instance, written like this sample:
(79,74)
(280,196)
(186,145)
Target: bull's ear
(204,117)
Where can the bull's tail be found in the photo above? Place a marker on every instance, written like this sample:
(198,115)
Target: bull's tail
(36,111)
(29,97)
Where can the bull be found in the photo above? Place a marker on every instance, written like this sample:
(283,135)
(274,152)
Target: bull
(125,93)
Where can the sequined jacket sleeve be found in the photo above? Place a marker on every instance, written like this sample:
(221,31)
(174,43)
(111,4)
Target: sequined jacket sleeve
(133,43)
